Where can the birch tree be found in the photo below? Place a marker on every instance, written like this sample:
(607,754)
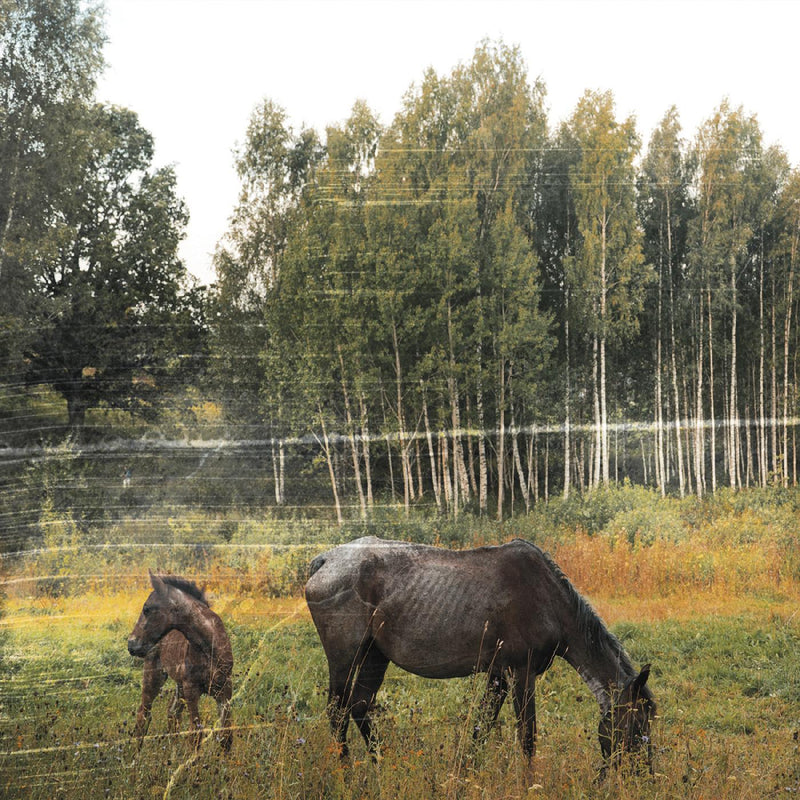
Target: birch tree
(609,266)
(275,166)
(665,209)
(788,260)
(727,153)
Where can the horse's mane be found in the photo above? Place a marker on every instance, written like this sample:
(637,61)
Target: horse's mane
(596,634)
(186,586)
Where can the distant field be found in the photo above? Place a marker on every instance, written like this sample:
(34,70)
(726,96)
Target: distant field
(726,675)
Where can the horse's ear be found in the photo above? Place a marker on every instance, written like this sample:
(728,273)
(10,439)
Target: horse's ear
(641,679)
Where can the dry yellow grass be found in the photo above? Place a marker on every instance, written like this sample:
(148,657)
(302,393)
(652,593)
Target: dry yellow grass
(719,622)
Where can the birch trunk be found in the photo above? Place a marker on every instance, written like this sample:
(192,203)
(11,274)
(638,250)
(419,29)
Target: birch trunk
(787,328)
(524,484)
(567,393)
(604,440)
(483,471)
(661,478)
(351,435)
(446,483)
(437,492)
(698,428)
(326,447)
(594,478)
(733,421)
(401,432)
(712,411)
(673,360)
(501,440)
(761,442)
(278,470)
(365,449)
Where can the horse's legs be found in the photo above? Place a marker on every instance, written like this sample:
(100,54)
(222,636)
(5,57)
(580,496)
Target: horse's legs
(370,677)
(525,707)
(340,680)
(153,678)
(493,698)
(348,696)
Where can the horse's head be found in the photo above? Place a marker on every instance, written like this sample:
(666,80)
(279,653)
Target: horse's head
(625,728)
(157,617)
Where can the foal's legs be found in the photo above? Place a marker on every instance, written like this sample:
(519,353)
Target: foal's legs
(175,710)
(224,709)
(525,707)
(192,696)
(153,678)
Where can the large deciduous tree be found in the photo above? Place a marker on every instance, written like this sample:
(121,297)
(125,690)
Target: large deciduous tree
(50,55)
(93,289)
(108,280)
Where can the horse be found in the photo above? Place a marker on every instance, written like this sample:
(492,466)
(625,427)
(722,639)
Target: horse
(505,610)
(180,637)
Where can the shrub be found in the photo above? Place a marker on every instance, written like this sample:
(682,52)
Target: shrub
(593,511)
(646,525)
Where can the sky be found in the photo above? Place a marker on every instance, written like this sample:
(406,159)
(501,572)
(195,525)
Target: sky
(194,70)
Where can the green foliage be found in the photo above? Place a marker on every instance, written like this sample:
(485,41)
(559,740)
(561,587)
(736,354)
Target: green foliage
(94,301)
(50,55)
(395,277)
(594,510)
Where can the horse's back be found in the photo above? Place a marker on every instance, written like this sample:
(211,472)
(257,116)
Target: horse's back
(429,609)
(370,564)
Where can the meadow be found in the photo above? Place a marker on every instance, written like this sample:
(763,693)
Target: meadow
(710,599)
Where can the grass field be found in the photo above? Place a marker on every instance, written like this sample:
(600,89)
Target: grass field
(726,675)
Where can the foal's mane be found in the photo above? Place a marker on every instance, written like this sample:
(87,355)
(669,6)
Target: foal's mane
(186,586)
(597,636)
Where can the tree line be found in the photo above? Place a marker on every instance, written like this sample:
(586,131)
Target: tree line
(471,306)
(482,305)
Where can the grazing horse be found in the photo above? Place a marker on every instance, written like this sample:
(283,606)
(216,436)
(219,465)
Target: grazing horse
(180,637)
(505,610)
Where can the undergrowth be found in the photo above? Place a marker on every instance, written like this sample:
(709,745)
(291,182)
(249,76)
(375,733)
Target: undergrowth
(728,691)
(706,591)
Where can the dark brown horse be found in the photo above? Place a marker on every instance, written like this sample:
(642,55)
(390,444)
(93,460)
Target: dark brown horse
(507,611)
(180,637)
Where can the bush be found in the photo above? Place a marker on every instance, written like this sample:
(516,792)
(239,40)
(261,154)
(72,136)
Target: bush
(646,525)
(592,512)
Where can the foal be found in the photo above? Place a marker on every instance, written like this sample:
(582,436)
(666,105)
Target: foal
(180,637)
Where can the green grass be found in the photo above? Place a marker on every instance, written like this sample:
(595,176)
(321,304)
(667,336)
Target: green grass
(728,690)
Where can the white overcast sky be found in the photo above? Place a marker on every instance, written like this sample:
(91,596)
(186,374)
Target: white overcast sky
(195,69)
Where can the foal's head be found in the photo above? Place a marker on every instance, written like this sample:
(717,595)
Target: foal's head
(625,728)
(170,597)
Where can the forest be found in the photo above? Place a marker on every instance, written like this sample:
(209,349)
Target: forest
(468,324)
(472,308)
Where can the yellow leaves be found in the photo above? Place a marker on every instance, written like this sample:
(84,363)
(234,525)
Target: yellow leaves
(207,413)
